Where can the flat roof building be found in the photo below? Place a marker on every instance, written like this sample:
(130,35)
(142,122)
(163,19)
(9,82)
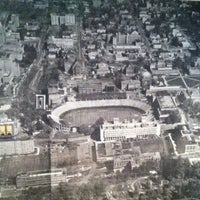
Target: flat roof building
(8,127)
(89,87)
(68,19)
(122,153)
(16,147)
(35,179)
(128,130)
(164,105)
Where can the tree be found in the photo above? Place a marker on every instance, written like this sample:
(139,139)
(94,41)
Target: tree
(180,64)
(174,117)
(118,79)
(85,129)
(195,109)
(29,56)
(175,42)
(80,8)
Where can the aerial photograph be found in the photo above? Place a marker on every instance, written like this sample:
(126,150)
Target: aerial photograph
(99,100)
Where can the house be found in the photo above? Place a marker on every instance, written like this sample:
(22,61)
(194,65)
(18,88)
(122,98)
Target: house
(130,71)
(197,62)
(130,85)
(120,57)
(149,26)
(185,44)
(194,71)
(92,55)
(102,69)
(54,97)
(195,94)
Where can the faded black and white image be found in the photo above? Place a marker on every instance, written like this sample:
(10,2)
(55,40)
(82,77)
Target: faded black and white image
(100,99)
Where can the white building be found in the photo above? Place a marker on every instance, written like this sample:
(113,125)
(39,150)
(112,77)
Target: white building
(54,20)
(15,20)
(8,127)
(8,69)
(62,20)
(67,20)
(70,19)
(64,43)
(35,179)
(127,130)
(40,101)
(16,147)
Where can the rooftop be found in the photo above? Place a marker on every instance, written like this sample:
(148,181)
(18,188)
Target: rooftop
(166,101)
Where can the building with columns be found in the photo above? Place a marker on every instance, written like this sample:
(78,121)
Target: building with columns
(128,130)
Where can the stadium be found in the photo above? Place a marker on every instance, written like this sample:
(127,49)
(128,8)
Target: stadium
(88,112)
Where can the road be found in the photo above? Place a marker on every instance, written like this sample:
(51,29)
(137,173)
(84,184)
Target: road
(166,151)
(36,64)
(109,193)
(35,81)
(109,190)
(86,179)
(142,33)
(136,181)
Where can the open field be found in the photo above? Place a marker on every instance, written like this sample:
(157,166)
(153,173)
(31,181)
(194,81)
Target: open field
(190,81)
(90,115)
(177,81)
(10,167)
(153,144)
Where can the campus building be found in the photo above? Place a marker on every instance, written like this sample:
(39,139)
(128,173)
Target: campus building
(164,105)
(68,19)
(41,179)
(134,158)
(16,147)
(8,70)
(128,130)
(89,87)
(123,153)
(8,127)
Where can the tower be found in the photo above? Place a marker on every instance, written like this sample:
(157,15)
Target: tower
(79,69)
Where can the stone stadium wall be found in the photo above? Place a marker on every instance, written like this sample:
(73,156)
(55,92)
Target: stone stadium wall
(57,112)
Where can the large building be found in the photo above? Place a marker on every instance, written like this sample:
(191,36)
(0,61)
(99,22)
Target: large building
(164,105)
(8,127)
(83,147)
(128,130)
(89,87)
(41,179)
(8,69)
(122,153)
(67,20)
(134,158)
(127,39)
(15,20)
(54,20)
(16,147)
(64,43)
